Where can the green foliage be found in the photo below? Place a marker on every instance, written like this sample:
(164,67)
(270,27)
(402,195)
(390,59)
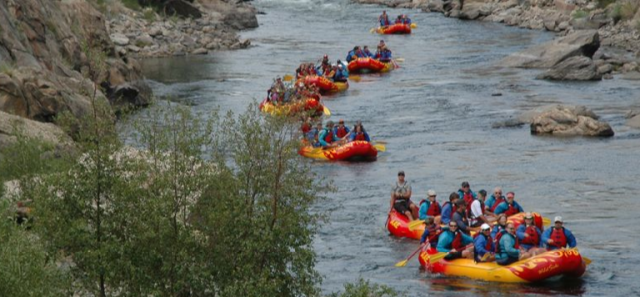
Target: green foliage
(605,3)
(364,289)
(131,4)
(149,14)
(7,68)
(616,13)
(26,269)
(579,13)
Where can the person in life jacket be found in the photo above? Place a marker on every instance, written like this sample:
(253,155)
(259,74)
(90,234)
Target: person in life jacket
(313,133)
(406,20)
(326,136)
(460,217)
(455,242)
(507,249)
(477,216)
(306,125)
(401,198)
(499,227)
(340,131)
(509,207)
(359,133)
(483,244)
(431,232)
(367,53)
(383,55)
(449,208)
(383,19)
(325,60)
(529,235)
(558,236)
(495,200)
(430,207)
(398,20)
(341,74)
(467,195)
(352,54)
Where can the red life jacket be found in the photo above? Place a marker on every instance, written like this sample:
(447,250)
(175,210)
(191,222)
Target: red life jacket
(434,209)
(360,136)
(559,238)
(306,127)
(468,199)
(434,233)
(341,132)
(511,210)
(457,241)
(496,203)
(329,137)
(533,238)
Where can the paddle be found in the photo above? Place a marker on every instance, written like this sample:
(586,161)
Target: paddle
(404,262)
(355,78)
(415,223)
(316,153)
(586,260)
(373,30)
(400,60)
(414,25)
(326,111)
(546,221)
(380,147)
(439,256)
(287,77)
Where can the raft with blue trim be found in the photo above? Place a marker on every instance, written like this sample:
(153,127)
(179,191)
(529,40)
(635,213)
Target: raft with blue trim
(324,84)
(395,29)
(366,65)
(358,150)
(551,264)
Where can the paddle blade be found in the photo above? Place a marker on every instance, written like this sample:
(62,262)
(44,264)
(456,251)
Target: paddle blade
(414,25)
(546,221)
(381,148)
(372,30)
(288,77)
(436,257)
(401,263)
(415,223)
(400,60)
(355,78)
(585,259)
(326,111)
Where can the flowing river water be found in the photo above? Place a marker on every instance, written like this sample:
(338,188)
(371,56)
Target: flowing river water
(436,112)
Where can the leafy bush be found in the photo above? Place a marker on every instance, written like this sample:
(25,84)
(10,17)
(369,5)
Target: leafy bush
(364,289)
(579,13)
(605,3)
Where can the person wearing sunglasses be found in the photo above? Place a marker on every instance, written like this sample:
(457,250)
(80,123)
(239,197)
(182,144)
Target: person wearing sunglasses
(483,245)
(509,207)
(507,249)
(529,235)
(455,242)
(430,207)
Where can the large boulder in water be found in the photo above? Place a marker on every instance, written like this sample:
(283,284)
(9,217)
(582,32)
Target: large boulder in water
(633,119)
(574,68)
(579,43)
(564,120)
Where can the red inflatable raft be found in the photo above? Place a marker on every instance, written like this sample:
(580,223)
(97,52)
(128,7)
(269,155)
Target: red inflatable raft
(311,105)
(398,224)
(324,84)
(364,65)
(395,29)
(562,262)
(358,150)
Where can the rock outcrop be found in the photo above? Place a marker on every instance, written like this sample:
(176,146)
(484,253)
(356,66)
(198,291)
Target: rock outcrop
(45,67)
(574,68)
(580,43)
(12,125)
(633,119)
(150,33)
(563,120)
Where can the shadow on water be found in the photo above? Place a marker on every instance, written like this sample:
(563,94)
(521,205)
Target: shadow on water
(566,287)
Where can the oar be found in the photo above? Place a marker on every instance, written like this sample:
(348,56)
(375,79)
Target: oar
(400,60)
(586,260)
(404,262)
(380,147)
(439,256)
(355,78)
(372,30)
(287,77)
(546,221)
(326,111)
(415,223)
(414,25)
(316,153)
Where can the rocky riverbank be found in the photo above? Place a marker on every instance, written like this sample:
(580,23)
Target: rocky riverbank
(195,27)
(617,23)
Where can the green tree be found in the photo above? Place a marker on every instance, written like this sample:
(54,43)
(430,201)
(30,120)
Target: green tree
(365,289)
(26,269)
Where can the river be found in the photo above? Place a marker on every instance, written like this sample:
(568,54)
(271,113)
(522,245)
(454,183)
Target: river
(436,112)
